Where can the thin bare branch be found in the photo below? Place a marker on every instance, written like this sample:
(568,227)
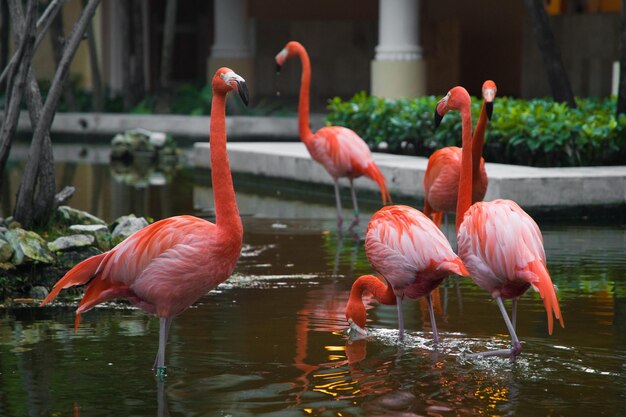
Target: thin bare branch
(44,22)
(9,124)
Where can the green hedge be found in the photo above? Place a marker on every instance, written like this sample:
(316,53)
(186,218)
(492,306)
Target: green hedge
(536,132)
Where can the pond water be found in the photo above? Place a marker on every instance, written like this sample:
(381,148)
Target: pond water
(271,341)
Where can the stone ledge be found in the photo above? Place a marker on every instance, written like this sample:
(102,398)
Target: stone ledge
(528,186)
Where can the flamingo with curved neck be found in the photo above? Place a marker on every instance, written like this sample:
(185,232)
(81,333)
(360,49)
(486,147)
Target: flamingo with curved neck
(166,266)
(413,257)
(338,149)
(499,243)
(441,180)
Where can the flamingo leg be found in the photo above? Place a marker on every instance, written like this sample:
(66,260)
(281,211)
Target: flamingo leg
(432,318)
(400,317)
(445,298)
(338,201)
(164,330)
(516,347)
(355,205)
(459,296)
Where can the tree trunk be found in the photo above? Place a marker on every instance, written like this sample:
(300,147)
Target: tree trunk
(27,211)
(43,167)
(98,96)
(17,81)
(43,24)
(621,91)
(57,38)
(167,53)
(550,53)
(4,34)
(132,53)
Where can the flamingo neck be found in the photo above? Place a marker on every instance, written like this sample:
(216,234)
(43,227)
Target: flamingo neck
(226,211)
(478,141)
(464,200)
(303,103)
(381,291)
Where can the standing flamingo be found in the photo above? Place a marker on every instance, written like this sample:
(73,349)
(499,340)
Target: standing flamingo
(340,151)
(500,244)
(413,257)
(166,266)
(441,180)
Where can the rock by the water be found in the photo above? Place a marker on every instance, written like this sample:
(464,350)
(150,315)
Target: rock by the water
(126,226)
(28,246)
(70,258)
(99,231)
(71,242)
(38,292)
(6,251)
(70,216)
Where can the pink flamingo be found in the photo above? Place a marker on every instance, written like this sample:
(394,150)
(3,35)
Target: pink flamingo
(340,151)
(441,180)
(413,257)
(166,266)
(500,244)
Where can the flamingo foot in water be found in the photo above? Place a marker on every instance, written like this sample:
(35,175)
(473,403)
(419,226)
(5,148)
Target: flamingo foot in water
(512,353)
(160,372)
(355,331)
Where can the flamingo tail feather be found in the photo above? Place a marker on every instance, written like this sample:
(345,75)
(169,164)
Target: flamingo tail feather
(79,275)
(375,175)
(548,293)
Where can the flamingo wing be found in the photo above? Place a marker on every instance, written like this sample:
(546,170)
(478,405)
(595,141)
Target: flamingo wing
(342,152)
(154,266)
(497,240)
(441,180)
(401,242)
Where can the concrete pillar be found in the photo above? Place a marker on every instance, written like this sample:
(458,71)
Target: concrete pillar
(398,69)
(231,46)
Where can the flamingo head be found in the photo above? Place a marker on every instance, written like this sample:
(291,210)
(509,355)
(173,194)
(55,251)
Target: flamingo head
(226,80)
(355,314)
(290,50)
(456,99)
(489,94)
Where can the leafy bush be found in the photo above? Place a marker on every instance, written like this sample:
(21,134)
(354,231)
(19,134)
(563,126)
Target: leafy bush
(535,132)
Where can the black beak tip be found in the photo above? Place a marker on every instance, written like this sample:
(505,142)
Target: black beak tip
(278,67)
(438,118)
(242,89)
(489,108)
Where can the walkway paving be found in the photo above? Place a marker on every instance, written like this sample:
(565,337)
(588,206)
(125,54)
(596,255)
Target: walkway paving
(530,187)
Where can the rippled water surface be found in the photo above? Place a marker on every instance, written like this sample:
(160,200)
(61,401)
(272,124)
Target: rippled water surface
(272,339)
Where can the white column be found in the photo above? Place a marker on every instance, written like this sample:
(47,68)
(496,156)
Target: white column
(398,69)
(231,46)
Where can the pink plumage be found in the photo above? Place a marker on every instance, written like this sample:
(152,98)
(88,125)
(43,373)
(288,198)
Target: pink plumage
(506,260)
(500,244)
(166,266)
(342,152)
(412,255)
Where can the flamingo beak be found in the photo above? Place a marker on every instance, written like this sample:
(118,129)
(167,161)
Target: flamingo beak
(489,109)
(355,331)
(280,59)
(438,118)
(242,89)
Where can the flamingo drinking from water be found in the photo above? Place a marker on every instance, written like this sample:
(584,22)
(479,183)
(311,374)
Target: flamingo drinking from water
(166,266)
(340,151)
(499,243)
(441,180)
(411,254)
